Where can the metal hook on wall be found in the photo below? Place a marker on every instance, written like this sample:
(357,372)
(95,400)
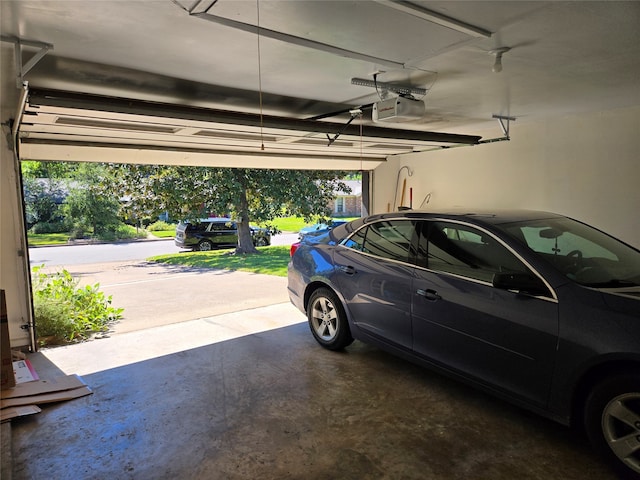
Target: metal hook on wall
(395,197)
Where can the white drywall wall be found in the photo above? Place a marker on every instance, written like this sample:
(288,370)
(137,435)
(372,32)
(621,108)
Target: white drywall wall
(586,167)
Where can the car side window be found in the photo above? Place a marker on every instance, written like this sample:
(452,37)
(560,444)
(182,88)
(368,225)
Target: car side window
(356,241)
(221,226)
(469,252)
(392,239)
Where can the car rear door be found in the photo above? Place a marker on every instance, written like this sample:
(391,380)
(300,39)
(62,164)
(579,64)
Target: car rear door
(223,233)
(375,275)
(500,338)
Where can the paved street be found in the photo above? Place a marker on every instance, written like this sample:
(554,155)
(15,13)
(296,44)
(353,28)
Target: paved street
(65,255)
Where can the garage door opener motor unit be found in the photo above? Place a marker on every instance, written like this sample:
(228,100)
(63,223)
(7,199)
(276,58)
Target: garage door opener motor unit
(398,109)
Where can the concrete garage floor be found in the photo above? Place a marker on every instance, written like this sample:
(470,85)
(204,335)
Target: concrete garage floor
(274,405)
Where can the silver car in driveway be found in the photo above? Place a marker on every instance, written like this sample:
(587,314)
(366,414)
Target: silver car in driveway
(537,308)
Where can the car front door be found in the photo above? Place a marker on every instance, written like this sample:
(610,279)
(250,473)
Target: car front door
(375,275)
(498,337)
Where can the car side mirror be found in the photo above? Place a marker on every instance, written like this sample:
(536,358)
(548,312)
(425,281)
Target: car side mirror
(521,282)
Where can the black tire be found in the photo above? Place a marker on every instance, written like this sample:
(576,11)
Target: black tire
(612,422)
(328,321)
(205,245)
(261,242)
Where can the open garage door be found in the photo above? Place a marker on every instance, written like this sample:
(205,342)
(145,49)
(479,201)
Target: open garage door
(66,126)
(82,127)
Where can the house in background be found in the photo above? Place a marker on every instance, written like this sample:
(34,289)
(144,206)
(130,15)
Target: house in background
(348,205)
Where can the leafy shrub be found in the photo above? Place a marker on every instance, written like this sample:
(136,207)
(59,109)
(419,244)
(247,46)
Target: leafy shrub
(77,232)
(122,232)
(161,226)
(67,313)
(50,227)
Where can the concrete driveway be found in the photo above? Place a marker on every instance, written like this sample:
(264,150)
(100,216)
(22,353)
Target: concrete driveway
(156,294)
(172,308)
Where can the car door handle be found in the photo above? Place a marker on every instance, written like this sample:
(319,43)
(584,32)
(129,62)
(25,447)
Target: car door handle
(348,269)
(431,295)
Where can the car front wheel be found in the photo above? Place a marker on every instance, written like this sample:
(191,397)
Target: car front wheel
(612,422)
(205,246)
(328,321)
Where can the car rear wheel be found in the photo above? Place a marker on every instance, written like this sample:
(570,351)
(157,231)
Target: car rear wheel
(328,321)
(205,245)
(612,422)
(261,242)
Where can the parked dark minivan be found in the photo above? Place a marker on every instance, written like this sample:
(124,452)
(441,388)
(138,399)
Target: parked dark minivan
(209,233)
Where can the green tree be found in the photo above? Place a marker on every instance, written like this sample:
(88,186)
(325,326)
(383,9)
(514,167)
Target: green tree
(257,195)
(41,201)
(93,203)
(44,188)
(58,170)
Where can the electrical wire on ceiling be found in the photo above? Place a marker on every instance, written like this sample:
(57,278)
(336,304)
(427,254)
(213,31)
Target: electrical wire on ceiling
(260,76)
(361,142)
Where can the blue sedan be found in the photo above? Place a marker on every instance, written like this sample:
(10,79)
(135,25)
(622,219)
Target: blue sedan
(537,308)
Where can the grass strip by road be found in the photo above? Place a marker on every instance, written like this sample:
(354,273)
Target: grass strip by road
(270,261)
(164,233)
(42,239)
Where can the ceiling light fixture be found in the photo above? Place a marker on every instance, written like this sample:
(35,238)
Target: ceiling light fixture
(498,52)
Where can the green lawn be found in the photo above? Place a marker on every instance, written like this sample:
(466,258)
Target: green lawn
(294,224)
(163,233)
(288,224)
(40,239)
(270,260)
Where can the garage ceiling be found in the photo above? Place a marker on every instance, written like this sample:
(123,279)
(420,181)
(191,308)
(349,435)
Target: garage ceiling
(269,83)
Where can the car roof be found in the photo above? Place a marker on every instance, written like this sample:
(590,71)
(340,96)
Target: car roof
(211,219)
(494,217)
(478,217)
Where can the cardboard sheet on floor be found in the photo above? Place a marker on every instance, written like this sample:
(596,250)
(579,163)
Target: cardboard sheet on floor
(39,387)
(39,392)
(42,398)
(12,412)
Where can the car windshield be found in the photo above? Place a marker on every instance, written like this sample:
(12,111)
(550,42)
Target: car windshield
(580,252)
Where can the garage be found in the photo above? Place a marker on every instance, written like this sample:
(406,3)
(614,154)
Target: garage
(531,105)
